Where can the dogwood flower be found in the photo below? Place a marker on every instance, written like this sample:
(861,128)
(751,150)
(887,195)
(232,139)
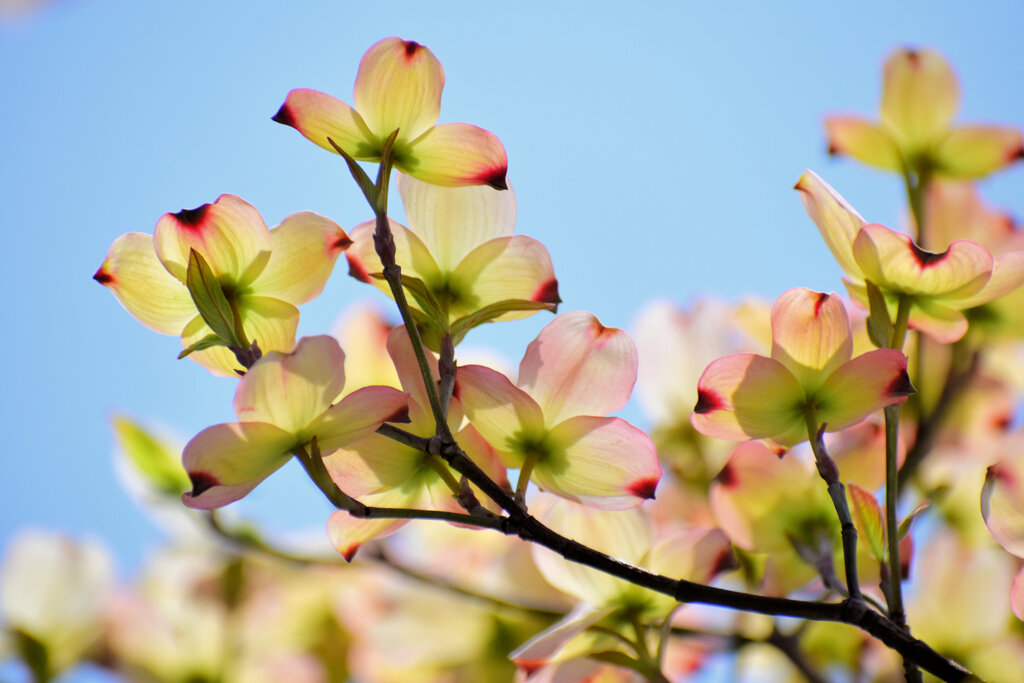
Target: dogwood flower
(920,97)
(459,243)
(398,87)
(550,424)
(283,402)
(940,286)
(810,377)
(263,273)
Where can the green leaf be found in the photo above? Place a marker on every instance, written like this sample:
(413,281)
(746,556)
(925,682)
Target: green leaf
(204,343)
(867,517)
(210,300)
(879,322)
(488,313)
(363,180)
(157,464)
(904,528)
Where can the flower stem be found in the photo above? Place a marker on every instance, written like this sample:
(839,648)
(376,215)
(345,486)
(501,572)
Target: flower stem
(837,492)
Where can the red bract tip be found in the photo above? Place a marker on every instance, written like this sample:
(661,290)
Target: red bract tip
(411,47)
(201,482)
(191,218)
(707,401)
(284,116)
(727,477)
(103,277)
(547,293)
(900,386)
(350,552)
(342,243)
(356,269)
(822,298)
(644,488)
(926,258)
(495,178)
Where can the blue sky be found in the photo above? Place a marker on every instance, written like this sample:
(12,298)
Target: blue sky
(653,147)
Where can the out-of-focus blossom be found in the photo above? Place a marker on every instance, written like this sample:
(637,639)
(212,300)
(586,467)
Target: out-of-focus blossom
(939,285)
(264,274)
(283,403)
(697,554)
(412,632)
(959,606)
(1002,506)
(53,593)
(398,88)
(574,372)
(810,377)
(460,246)
(920,98)
(200,616)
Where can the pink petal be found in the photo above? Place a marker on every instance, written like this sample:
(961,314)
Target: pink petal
(861,386)
(1007,276)
(291,390)
(319,117)
(454,221)
(746,396)
(502,413)
(356,416)
(304,248)
(698,554)
(270,322)
(226,461)
(942,323)
(920,97)
(577,366)
(398,87)
(893,261)
(410,253)
(400,349)
(457,154)
(810,334)
(1002,504)
(1017,595)
(863,140)
(837,221)
(600,461)
(143,286)
(230,234)
(348,533)
(516,267)
(374,464)
(539,650)
(976,151)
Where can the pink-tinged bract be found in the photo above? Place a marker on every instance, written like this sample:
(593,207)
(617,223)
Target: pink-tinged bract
(572,374)
(266,273)
(283,403)
(747,396)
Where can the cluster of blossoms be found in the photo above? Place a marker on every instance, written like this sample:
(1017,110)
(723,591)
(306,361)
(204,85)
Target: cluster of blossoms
(393,429)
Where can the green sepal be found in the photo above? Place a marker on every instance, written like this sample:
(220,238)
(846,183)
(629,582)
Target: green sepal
(425,299)
(365,184)
(904,527)
(152,459)
(488,313)
(206,342)
(879,322)
(209,299)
